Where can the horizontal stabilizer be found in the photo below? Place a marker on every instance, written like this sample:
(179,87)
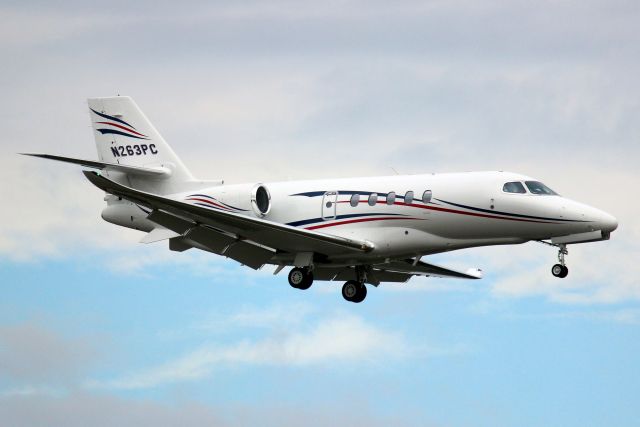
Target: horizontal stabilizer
(157,171)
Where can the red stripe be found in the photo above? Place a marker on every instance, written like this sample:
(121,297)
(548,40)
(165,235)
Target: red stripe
(121,127)
(435,208)
(351,221)
(208,201)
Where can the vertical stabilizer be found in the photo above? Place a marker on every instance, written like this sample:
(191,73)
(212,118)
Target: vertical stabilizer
(124,135)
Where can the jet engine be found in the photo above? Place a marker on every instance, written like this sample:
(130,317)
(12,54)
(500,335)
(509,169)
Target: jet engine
(260,200)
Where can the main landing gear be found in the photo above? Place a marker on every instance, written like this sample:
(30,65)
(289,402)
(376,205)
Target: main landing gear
(354,291)
(300,278)
(561,270)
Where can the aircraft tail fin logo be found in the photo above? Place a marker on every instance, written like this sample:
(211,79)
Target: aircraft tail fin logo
(117,127)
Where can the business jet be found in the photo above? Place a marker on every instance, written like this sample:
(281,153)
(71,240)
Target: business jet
(355,230)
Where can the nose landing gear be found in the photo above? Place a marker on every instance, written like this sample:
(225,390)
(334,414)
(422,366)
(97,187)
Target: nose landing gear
(561,270)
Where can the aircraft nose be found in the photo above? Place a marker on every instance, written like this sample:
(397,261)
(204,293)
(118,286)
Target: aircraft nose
(609,222)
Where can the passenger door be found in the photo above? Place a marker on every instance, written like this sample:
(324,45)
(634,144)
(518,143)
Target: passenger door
(329,205)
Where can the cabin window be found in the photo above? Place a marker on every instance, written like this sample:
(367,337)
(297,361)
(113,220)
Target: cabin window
(373,198)
(426,196)
(355,199)
(539,188)
(514,187)
(391,197)
(408,197)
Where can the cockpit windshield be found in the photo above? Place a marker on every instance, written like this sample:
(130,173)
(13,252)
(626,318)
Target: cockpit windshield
(514,187)
(536,187)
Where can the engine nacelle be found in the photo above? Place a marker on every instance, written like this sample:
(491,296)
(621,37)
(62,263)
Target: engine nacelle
(260,200)
(244,198)
(126,214)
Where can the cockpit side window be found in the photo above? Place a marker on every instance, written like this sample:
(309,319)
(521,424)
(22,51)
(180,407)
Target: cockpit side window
(539,188)
(514,187)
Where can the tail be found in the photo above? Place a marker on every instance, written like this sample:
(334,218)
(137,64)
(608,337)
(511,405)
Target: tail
(125,136)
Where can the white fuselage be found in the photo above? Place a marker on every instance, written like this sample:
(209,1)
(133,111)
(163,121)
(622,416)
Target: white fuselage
(464,210)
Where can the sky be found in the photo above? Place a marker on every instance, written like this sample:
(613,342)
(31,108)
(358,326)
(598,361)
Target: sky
(97,329)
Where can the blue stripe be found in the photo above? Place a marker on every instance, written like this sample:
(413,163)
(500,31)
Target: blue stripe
(115,119)
(314,220)
(491,211)
(117,132)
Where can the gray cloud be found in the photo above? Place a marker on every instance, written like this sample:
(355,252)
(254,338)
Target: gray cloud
(33,354)
(100,410)
(82,409)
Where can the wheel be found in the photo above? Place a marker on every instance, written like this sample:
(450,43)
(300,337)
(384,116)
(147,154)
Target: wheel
(300,278)
(354,291)
(308,280)
(362,293)
(559,270)
(564,273)
(350,290)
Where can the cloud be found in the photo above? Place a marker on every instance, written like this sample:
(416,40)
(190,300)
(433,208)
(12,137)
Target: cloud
(345,338)
(603,273)
(99,410)
(250,317)
(33,354)
(82,409)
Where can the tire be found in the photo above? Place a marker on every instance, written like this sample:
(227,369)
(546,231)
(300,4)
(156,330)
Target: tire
(350,290)
(296,277)
(557,270)
(362,293)
(308,280)
(300,278)
(564,273)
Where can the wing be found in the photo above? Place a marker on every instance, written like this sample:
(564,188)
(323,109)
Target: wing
(420,268)
(393,271)
(251,241)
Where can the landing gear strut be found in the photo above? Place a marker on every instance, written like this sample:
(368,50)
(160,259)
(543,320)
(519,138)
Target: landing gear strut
(300,278)
(561,270)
